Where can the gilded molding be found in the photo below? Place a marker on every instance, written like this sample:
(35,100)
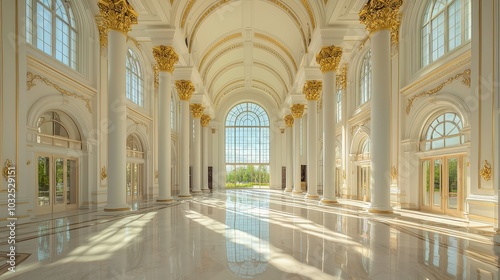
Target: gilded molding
(329,58)
(289,120)
(205,120)
(6,166)
(202,18)
(380,14)
(273,71)
(394,173)
(30,82)
(465,80)
(103,33)
(289,11)
(282,130)
(196,110)
(297,111)
(218,55)
(309,12)
(395,30)
(117,15)
(165,57)
(341,79)
(156,174)
(277,55)
(186,11)
(486,171)
(156,73)
(278,44)
(267,89)
(229,88)
(185,89)
(312,89)
(104,173)
(216,45)
(138,123)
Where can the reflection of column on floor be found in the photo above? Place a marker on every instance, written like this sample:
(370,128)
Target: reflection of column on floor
(380,252)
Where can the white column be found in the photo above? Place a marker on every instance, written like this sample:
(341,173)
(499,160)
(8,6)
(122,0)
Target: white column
(312,90)
(205,120)
(185,89)
(329,58)
(165,58)
(289,153)
(197,111)
(297,112)
(381,98)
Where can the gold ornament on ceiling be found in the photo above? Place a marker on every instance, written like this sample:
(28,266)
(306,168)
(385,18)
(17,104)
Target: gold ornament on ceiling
(117,15)
(329,58)
(341,79)
(380,14)
(185,89)
(486,171)
(205,120)
(165,57)
(196,110)
(312,89)
(289,120)
(297,111)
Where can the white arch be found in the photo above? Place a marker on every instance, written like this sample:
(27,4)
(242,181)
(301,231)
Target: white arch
(359,136)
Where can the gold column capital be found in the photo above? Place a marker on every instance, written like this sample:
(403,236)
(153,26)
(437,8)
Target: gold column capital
(289,120)
(118,15)
(297,111)
(103,32)
(341,79)
(165,57)
(205,120)
(312,89)
(196,110)
(380,14)
(185,89)
(329,58)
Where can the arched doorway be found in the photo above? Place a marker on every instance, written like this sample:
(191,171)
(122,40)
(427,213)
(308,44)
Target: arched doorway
(364,170)
(247,147)
(135,169)
(57,163)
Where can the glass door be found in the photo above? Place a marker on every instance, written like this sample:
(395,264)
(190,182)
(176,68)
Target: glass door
(364,182)
(134,181)
(57,184)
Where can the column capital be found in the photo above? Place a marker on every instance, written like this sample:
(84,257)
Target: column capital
(289,120)
(103,32)
(341,78)
(185,89)
(196,110)
(297,111)
(118,15)
(165,57)
(329,58)
(380,14)
(205,120)
(312,89)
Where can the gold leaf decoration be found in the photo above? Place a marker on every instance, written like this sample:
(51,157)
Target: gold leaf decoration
(329,58)
(312,89)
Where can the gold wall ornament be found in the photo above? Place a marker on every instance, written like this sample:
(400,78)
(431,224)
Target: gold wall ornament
(312,89)
(196,110)
(104,173)
(297,111)
(341,79)
(118,15)
(289,120)
(465,75)
(395,30)
(185,89)
(103,33)
(380,14)
(486,171)
(138,123)
(156,174)
(165,57)
(6,166)
(394,173)
(205,120)
(214,130)
(28,162)
(156,72)
(329,58)
(282,130)
(30,82)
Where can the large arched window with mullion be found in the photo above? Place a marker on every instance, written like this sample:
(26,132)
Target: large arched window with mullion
(51,27)
(444,131)
(134,79)
(247,146)
(446,25)
(365,79)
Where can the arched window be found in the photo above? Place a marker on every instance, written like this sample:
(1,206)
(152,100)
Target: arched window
(445,26)
(339,105)
(134,79)
(444,131)
(134,147)
(56,128)
(365,79)
(247,146)
(51,27)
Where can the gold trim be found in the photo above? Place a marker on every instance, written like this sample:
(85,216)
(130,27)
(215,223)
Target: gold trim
(103,32)
(205,120)
(156,174)
(277,55)
(486,171)
(295,19)
(138,123)
(279,45)
(186,11)
(289,120)
(374,211)
(312,90)
(216,45)
(329,58)
(118,15)
(272,70)
(465,75)
(282,130)
(185,89)
(326,201)
(156,73)
(30,83)
(7,165)
(116,209)
(394,173)
(165,57)
(309,12)
(196,110)
(341,79)
(164,200)
(227,89)
(218,55)
(380,14)
(185,195)
(272,92)
(104,173)
(222,71)
(311,196)
(297,111)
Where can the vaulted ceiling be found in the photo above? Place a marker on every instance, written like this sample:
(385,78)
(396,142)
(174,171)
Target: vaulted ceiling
(256,46)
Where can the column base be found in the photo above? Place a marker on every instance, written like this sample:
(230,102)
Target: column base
(197,192)
(327,201)
(117,209)
(165,200)
(311,196)
(185,196)
(381,211)
(287,191)
(297,192)
(205,190)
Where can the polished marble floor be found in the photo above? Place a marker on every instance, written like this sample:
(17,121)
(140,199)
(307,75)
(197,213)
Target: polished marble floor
(253,234)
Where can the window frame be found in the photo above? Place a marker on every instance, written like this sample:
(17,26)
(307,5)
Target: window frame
(134,87)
